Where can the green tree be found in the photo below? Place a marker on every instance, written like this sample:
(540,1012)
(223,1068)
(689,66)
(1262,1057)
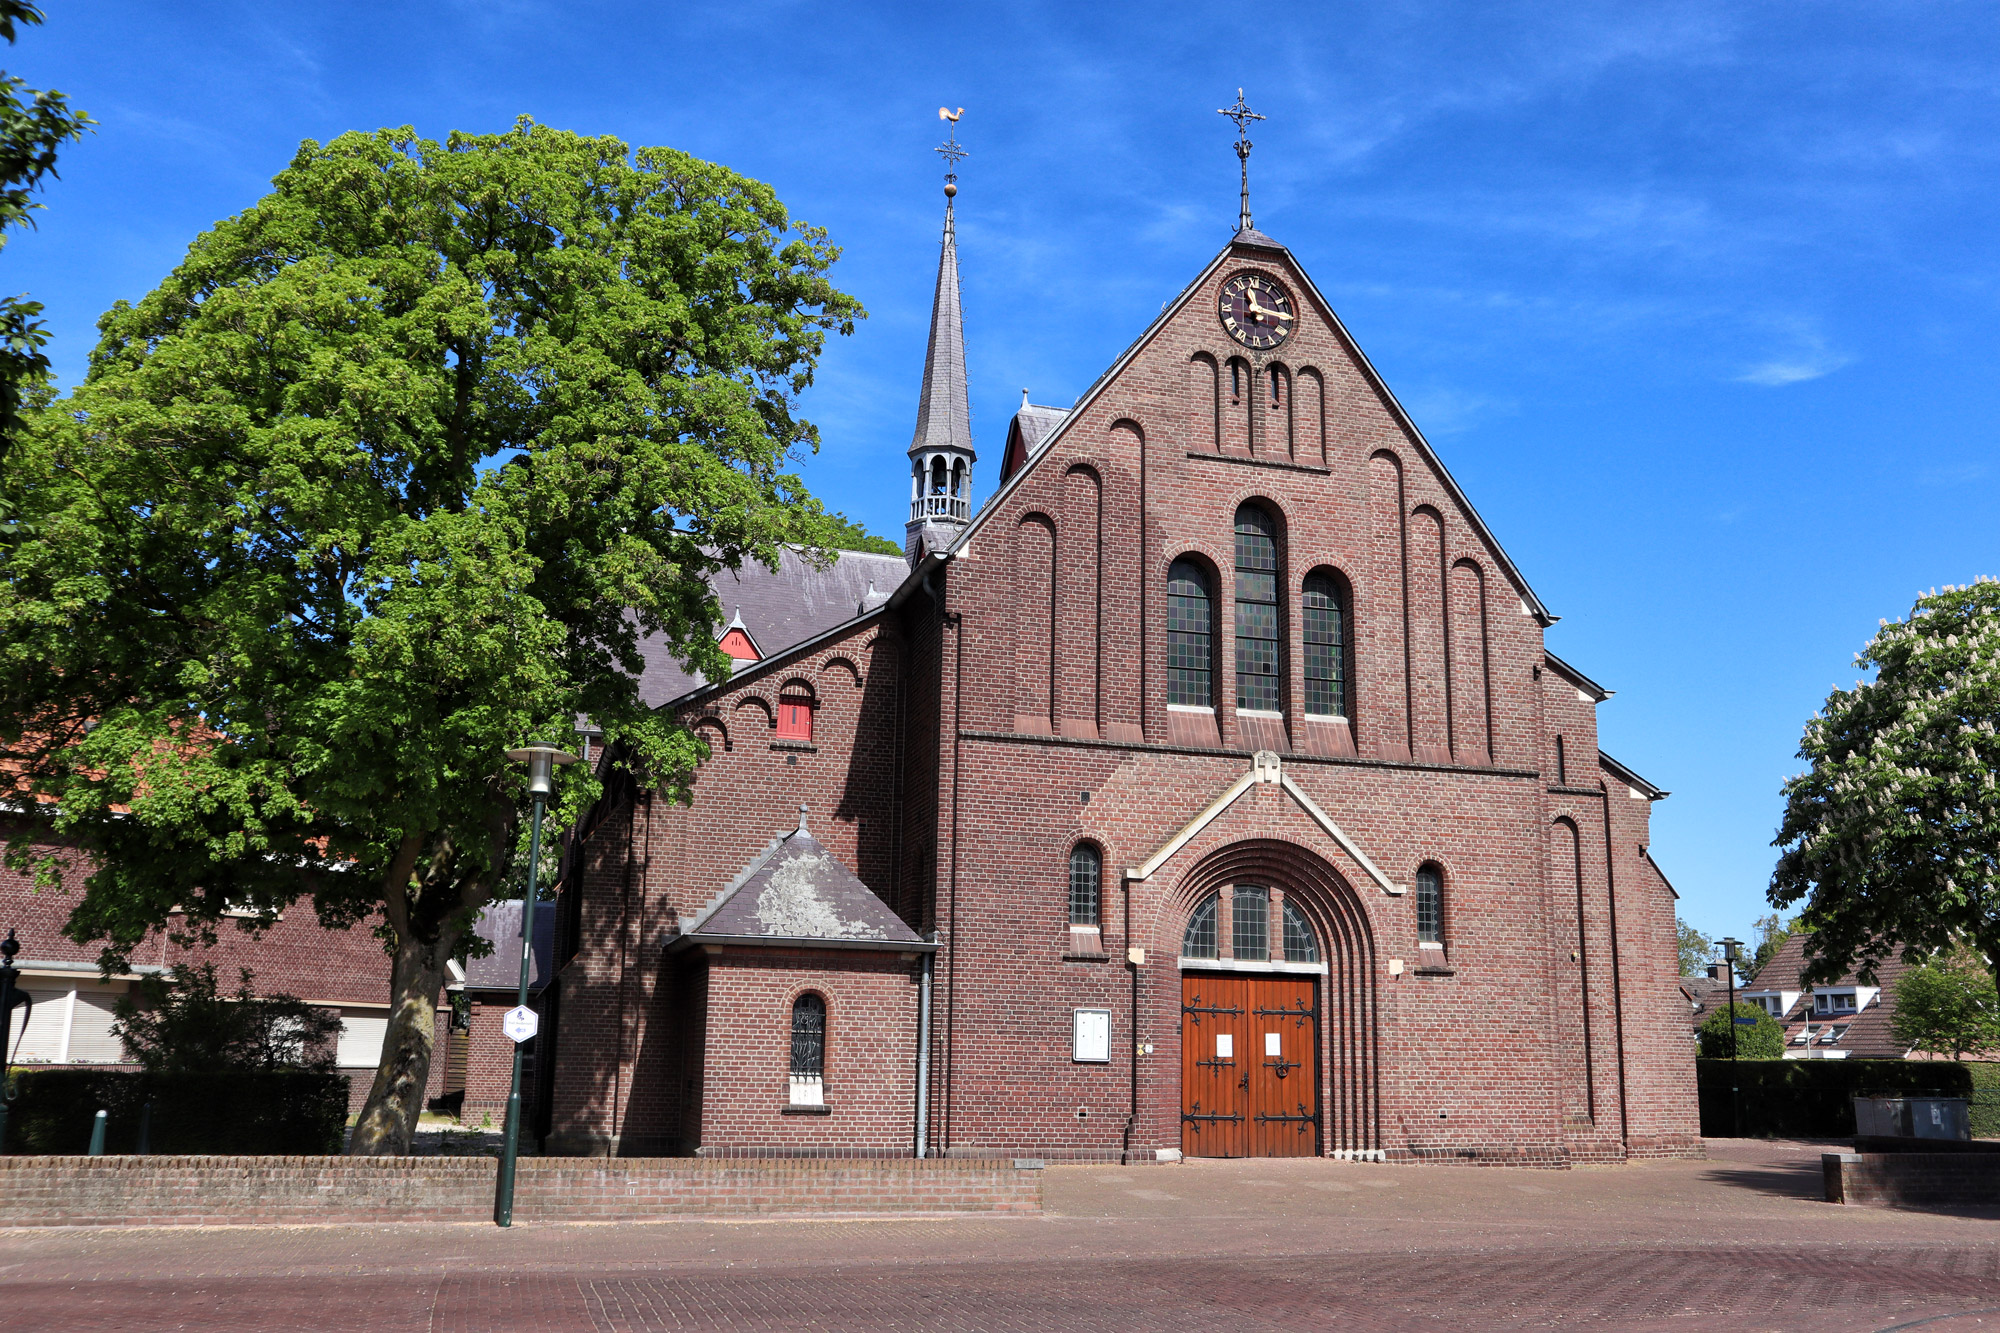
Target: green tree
(1761,1040)
(1947,1006)
(1892,837)
(843,534)
(391,473)
(34,125)
(182,1023)
(1772,932)
(1696,949)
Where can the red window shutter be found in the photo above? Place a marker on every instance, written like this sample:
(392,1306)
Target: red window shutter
(795,719)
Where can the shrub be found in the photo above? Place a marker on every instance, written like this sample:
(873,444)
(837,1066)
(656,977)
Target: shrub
(184,1024)
(258,1113)
(1763,1040)
(1812,1099)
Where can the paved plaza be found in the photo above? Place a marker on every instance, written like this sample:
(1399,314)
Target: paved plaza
(1739,1241)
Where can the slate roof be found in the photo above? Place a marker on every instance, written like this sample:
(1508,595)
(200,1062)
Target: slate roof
(1030,430)
(781,610)
(944,409)
(501,970)
(796,893)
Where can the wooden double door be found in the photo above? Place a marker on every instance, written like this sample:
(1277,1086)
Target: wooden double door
(1249,1066)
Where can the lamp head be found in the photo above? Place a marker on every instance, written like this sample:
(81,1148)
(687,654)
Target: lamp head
(1731,948)
(541,761)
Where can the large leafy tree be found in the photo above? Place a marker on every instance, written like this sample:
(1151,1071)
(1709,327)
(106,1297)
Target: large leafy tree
(1947,1007)
(34,125)
(1892,837)
(391,473)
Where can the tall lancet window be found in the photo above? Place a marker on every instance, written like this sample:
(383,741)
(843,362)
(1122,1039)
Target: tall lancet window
(1326,647)
(1189,627)
(1256,609)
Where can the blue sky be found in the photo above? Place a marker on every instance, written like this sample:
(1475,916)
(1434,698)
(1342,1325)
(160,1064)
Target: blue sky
(1698,301)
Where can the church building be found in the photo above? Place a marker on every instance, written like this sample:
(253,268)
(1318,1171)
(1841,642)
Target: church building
(1208,791)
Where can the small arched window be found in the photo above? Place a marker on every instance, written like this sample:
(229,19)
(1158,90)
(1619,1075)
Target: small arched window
(1199,941)
(1256,609)
(1326,646)
(1277,387)
(809,1050)
(1086,878)
(1250,923)
(795,712)
(1301,944)
(1430,905)
(1190,623)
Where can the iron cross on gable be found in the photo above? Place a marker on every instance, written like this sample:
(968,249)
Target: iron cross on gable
(1242,115)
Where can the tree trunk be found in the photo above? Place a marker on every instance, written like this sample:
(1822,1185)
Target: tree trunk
(389,1118)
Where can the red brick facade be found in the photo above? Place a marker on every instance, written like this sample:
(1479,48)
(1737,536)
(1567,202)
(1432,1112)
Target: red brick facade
(1011,700)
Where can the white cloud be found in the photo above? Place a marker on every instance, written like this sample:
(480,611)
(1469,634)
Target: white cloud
(1811,359)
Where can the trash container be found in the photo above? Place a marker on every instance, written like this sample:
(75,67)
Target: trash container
(1912,1118)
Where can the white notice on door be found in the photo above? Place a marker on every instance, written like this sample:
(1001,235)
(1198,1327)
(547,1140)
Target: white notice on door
(1225,1045)
(1274,1044)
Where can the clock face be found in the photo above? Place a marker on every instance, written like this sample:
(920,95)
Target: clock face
(1256,311)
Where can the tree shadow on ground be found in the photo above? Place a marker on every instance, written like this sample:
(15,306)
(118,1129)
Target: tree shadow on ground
(1800,1176)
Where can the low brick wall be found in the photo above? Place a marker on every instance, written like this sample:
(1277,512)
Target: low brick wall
(1913,1178)
(192,1191)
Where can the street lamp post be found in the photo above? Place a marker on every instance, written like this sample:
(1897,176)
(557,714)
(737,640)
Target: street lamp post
(10,996)
(1730,949)
(541,761)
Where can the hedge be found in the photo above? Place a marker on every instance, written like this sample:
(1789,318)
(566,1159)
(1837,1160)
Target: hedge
(1985,1108)
(1813,1099)
(270,1113)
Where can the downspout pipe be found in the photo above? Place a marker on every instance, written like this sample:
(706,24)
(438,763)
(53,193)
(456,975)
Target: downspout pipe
(924,1052)
(1132,966)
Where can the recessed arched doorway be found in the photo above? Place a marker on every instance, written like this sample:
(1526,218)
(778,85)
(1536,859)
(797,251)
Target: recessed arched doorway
(1277,1009)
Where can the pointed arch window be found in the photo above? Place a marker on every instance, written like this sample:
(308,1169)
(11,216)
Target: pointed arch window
(1199,941)
(1326,636)
(1256,609)
(1430,905)
(1190,627)
(1086,882)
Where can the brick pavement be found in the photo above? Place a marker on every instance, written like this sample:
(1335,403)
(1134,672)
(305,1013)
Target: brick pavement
(1250,1246)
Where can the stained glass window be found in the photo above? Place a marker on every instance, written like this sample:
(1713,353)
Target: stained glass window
(1189,625)
(1256,609)
(1086,875)
(1250,923)
(1326,647)
(1199,942)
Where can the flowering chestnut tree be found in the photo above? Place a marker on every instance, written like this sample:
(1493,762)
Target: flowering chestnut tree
(1891,839)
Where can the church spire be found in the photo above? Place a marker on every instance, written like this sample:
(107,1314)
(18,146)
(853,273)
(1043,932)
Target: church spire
(941,455)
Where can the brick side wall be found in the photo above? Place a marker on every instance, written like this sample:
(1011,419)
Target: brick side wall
(201,1191)
(1912,1178)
